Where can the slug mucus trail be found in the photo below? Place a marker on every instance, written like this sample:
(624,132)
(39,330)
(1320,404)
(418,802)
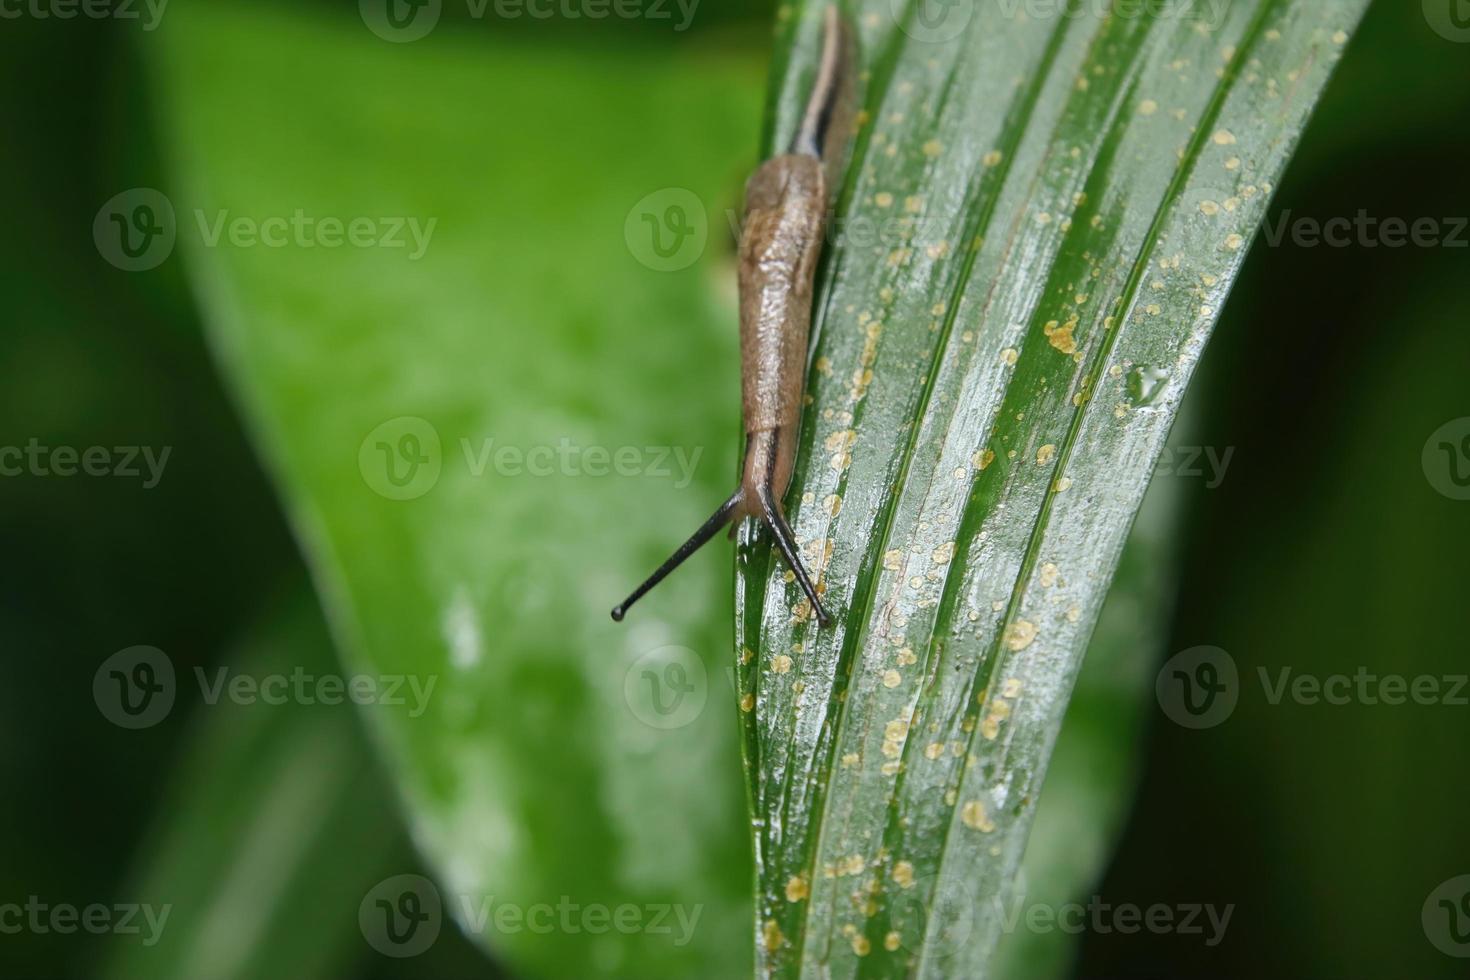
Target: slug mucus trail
(786,205)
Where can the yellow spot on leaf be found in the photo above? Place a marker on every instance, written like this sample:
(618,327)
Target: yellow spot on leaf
(974,816)
(1060,335)
(1018,635)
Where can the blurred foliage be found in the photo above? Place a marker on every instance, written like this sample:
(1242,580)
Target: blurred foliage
(1324,548)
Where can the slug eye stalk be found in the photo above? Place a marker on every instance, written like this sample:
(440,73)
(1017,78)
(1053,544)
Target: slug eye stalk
(770,515)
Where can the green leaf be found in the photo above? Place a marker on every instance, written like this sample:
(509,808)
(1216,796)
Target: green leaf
(1093,768)
(1068,199)
(538,775)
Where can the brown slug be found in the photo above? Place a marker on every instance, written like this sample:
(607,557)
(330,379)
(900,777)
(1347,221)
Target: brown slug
(786,211)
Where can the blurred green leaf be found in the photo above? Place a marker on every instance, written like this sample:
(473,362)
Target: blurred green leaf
(540,775)
(274,828)
(1063,201)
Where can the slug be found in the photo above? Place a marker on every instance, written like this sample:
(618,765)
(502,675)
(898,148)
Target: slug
(786,213)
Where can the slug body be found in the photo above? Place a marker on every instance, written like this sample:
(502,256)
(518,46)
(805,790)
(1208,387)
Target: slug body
(786,204)
(781,241)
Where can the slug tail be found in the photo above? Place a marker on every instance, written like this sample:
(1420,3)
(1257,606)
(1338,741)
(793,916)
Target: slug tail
(829,106)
